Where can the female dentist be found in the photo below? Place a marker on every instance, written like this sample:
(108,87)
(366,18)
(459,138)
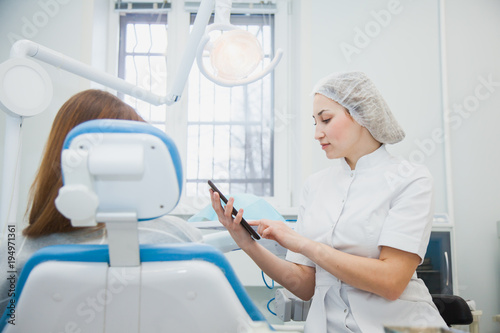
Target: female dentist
(363,225)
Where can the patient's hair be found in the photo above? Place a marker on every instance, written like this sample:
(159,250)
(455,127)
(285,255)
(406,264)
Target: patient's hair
(44,218)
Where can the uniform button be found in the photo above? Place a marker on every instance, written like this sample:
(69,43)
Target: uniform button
(345,310)
(352,174)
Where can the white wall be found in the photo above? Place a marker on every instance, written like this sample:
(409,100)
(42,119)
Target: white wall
(473,43)
(346,36)
(403,58)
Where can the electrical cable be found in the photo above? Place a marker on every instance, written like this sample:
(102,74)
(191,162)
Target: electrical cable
(269,287)
(272,299)
(265,282)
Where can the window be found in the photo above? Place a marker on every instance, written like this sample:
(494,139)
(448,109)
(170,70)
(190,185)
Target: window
(224,134)
(230,130)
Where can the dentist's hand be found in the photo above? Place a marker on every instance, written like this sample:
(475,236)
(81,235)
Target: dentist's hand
(237,231)
(281,233)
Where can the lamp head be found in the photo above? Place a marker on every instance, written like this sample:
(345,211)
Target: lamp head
(235,54)
(25,87)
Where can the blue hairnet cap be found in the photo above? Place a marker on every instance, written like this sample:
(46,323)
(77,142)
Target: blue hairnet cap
(255,208)
(357,93)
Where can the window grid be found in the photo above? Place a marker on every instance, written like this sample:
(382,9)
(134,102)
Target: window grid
(253,172)
(143,61)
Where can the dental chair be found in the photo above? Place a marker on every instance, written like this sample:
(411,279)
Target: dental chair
(120,173)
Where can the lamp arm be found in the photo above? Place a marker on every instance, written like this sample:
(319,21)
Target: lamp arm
(26,48)
(223,11)
(197,33)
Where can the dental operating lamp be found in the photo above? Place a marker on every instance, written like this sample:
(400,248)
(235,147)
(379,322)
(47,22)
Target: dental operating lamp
(235,54)
(26,89)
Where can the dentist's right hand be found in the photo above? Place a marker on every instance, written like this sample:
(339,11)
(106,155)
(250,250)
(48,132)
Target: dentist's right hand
(237,231)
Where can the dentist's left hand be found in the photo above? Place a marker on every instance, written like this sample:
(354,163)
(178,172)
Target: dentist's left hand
(239,234)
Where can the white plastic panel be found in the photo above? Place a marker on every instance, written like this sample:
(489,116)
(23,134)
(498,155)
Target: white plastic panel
(45,304)
(123,240)
(189,296)
(76,200)
(123,294)
(178,296)
(117,159)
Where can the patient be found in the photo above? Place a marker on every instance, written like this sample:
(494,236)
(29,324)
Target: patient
(46,226)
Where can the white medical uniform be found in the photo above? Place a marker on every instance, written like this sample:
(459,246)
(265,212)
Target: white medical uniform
(385,201)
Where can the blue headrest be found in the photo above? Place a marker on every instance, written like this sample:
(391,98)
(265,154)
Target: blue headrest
(126,126)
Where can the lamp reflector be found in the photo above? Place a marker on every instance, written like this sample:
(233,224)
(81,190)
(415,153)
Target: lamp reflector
(25,87)
(235,54)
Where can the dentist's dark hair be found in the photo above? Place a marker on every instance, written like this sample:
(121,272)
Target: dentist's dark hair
(44,218)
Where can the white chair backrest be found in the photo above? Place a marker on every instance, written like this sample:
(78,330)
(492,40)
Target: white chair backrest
(118,172)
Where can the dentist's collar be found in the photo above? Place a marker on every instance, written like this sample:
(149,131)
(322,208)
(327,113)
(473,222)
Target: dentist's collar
(367,161)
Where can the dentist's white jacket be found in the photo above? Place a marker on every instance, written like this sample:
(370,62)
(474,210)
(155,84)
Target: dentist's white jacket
(385,201)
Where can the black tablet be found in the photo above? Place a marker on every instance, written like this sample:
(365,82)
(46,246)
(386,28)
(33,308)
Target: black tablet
(244,223)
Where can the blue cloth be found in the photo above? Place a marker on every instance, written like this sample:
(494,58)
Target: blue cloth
(254,208)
